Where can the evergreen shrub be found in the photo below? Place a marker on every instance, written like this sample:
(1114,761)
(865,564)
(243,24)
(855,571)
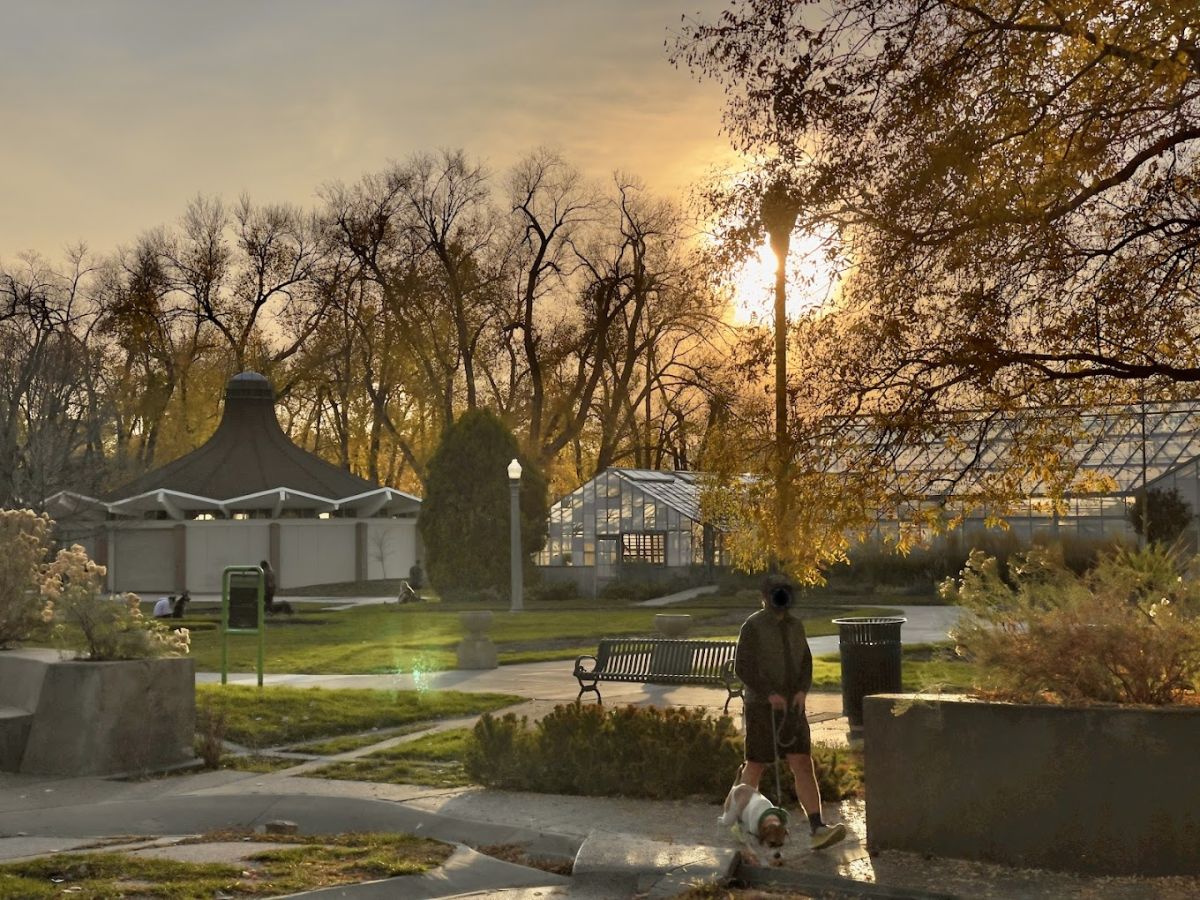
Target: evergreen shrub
(465,514)
(630,751)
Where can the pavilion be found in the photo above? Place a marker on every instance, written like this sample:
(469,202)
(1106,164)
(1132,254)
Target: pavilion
(247,494)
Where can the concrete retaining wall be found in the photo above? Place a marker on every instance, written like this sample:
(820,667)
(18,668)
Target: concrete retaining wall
(105,718)
(1096,790)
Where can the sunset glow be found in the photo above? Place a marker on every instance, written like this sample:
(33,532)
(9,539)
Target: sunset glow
(810,281)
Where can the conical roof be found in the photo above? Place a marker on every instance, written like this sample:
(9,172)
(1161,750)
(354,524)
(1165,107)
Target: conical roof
(247,454)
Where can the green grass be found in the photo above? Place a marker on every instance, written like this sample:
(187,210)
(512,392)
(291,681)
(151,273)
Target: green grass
(257,762)
(348,742)
(274,716)
(434,760)
(314,862)
(424,637)
(924,667)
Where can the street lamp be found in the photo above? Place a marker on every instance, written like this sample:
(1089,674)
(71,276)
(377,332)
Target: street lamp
(514,488)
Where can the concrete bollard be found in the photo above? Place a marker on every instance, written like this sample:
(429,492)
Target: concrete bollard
(476,650)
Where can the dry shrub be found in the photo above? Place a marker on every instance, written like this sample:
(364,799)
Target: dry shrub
(24,545)
(210,735)
(1125,631)
(101,627)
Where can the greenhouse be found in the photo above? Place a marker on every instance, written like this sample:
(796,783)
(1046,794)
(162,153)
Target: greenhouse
(1118,452)
(629,520)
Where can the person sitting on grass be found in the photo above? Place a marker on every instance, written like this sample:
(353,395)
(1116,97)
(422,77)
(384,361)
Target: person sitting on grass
(162,609)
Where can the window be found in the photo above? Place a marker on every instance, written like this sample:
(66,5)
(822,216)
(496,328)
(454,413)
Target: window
(645,547)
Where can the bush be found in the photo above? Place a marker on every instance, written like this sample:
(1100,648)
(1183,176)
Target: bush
(24,545)
(639,586)
(631,751)
(98,626)
(210,735)
(1127,631)
(555,592)
(1160,515)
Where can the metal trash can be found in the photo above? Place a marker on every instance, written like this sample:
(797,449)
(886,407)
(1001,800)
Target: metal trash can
(870,650)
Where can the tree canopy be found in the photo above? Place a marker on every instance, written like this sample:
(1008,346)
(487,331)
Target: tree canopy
(1012,190)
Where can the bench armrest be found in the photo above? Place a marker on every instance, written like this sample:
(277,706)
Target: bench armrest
(580,670)
(729,674)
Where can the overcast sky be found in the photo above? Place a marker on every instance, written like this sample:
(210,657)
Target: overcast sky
(113,113)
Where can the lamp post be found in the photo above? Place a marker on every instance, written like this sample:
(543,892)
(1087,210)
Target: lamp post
(514,487)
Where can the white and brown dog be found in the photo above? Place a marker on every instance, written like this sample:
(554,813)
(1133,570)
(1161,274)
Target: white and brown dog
(763,824)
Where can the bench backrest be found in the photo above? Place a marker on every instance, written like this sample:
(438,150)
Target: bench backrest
(651,657)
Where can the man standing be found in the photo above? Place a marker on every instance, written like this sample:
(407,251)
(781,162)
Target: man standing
(775,664)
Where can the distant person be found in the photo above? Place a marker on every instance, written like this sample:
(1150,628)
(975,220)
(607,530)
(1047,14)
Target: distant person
(269,591)
(180,608)
(162,609)
(268,585)
(416,576)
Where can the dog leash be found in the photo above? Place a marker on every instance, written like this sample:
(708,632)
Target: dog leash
(775,750)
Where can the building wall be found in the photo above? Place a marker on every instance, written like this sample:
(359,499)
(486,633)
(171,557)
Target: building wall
(211,546)
(143,554)
(143,560)
(393,545)
(317,551)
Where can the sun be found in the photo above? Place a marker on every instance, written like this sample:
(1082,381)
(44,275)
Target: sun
(752,287)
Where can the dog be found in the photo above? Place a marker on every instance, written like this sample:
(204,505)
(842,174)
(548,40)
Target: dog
(763,824)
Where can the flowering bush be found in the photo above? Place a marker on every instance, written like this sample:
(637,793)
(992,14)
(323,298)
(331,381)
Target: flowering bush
(98,626)
(24,542)
(1126,631)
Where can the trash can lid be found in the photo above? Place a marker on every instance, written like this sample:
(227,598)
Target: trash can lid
(871,620)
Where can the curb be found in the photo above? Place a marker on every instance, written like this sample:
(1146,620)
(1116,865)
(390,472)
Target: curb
(832,885)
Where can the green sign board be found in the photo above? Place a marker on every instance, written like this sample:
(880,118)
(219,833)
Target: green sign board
(243,590)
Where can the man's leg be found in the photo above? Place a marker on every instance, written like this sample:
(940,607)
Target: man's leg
(805,777)
(809,793)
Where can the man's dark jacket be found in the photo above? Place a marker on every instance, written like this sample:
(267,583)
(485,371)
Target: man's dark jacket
(761,660)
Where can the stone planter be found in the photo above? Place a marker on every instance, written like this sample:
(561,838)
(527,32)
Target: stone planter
(100,718)
(1096,790)
(476,650)
(672,625)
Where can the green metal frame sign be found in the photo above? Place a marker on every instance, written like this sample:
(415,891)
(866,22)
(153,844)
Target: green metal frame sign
(243,594)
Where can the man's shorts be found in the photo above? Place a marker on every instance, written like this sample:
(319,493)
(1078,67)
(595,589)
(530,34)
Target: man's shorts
(794,734)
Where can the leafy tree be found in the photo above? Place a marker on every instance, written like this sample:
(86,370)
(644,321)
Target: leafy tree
(1013,184)
(1160,515)
(465,514)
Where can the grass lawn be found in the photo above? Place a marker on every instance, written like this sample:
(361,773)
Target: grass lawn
(423,637)
(275,716)
(924,667)
(348,742)
(315,861)
(434,760)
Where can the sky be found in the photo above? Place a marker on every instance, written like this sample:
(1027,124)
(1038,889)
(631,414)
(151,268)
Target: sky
(114,113)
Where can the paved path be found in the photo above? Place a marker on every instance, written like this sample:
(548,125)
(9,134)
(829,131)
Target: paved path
(680,596)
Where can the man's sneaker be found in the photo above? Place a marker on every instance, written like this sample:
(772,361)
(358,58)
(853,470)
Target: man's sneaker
(828,835)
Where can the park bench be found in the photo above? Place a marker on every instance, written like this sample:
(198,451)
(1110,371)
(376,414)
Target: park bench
(653,660)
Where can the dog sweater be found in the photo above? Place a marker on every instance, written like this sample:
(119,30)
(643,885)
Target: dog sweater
(757,808)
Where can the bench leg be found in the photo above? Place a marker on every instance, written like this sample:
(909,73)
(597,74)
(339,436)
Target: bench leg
(589,687)
(732,694)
